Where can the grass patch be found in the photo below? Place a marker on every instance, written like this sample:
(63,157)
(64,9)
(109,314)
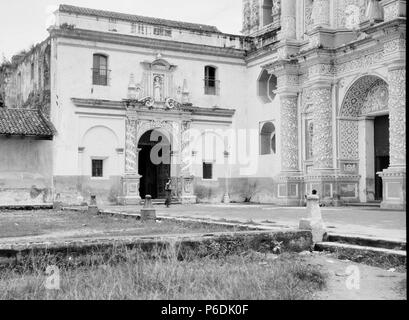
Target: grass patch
(251,275)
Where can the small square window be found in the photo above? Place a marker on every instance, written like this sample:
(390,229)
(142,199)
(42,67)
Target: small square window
(97,168)
(207,171)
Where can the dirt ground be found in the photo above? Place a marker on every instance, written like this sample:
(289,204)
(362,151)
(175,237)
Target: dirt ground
(48,224)
(372,284)
(352,281)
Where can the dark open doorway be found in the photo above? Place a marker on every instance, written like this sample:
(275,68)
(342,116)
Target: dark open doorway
(381,132)
(154,164)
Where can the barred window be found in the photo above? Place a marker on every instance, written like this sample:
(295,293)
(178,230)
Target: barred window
(211,83)
(100,70)
(97,168)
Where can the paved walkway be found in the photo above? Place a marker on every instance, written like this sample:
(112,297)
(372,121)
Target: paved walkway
(350,220)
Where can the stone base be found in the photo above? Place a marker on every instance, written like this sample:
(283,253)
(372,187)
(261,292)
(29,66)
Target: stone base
(317,228)
(148,215)
(394,188)
(129,201)
(226,199)
(57,205)
(290,191)
(93,210)
(188,199)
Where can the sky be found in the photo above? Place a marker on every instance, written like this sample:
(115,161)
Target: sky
(24,22)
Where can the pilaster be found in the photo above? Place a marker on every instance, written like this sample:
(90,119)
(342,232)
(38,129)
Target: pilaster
(131,179)
(394,178)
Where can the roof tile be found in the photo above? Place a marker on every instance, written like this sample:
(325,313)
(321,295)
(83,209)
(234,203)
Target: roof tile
(25,122)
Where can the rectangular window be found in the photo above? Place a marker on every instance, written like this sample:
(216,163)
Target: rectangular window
(211,83)
(159,31)
(97,168)
(141,29)
(207,171)
(100,70)
(133,28)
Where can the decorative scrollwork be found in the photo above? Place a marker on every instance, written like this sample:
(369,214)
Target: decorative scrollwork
(172,104)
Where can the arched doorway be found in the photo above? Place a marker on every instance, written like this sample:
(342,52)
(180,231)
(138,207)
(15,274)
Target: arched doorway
(154,163)
(364,134)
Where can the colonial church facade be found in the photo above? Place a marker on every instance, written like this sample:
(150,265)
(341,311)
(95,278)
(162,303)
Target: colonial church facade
(310,96)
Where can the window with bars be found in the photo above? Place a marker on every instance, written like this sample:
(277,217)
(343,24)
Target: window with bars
(160,31)
(97,168)
(212,85)
(100,70)
(207,171)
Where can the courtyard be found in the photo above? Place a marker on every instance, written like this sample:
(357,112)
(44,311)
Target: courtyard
(369,222)
(248,274)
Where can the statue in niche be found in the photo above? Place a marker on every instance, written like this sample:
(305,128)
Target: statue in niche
(157,88)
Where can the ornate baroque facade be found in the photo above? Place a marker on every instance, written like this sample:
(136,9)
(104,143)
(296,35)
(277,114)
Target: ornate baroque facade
(320,82)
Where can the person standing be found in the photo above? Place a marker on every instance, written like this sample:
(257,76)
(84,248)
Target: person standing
(168,190)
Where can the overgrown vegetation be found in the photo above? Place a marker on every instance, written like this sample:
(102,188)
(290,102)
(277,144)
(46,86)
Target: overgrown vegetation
(139,276)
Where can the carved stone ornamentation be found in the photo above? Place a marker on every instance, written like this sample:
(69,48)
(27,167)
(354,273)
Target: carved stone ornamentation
(397,116)
(360,62)
(395,45)
(376,99)
(289,133)
(320,13)
(349,139)
(276,7)
(131,153)
(172,104)
(322,118)
(350,13)
(361,96)
(146,125)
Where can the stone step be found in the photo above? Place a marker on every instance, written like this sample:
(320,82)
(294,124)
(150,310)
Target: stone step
(365,254)
(161,201)
(364,204)
(367,241)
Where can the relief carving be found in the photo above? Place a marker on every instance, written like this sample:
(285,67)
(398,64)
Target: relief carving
(322,118)
(289,133)
(397,116)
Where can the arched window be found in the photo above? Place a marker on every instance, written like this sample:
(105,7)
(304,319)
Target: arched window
(100,70)
(210,81)
(268,143)
(267,85)
(308,140)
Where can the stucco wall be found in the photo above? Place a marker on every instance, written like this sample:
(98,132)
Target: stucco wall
(25,171)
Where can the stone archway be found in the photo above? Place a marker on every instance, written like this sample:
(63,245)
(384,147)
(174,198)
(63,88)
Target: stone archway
(154,163)
(364,135)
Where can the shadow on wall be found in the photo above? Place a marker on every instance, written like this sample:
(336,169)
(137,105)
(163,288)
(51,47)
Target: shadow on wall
(241,190)
(78,190)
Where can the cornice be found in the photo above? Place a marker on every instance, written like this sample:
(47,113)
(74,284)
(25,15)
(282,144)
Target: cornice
(159,44)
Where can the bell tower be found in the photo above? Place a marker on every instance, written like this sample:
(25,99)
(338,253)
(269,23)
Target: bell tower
(259,14)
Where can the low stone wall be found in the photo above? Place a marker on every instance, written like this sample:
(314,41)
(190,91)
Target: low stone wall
(182,247)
